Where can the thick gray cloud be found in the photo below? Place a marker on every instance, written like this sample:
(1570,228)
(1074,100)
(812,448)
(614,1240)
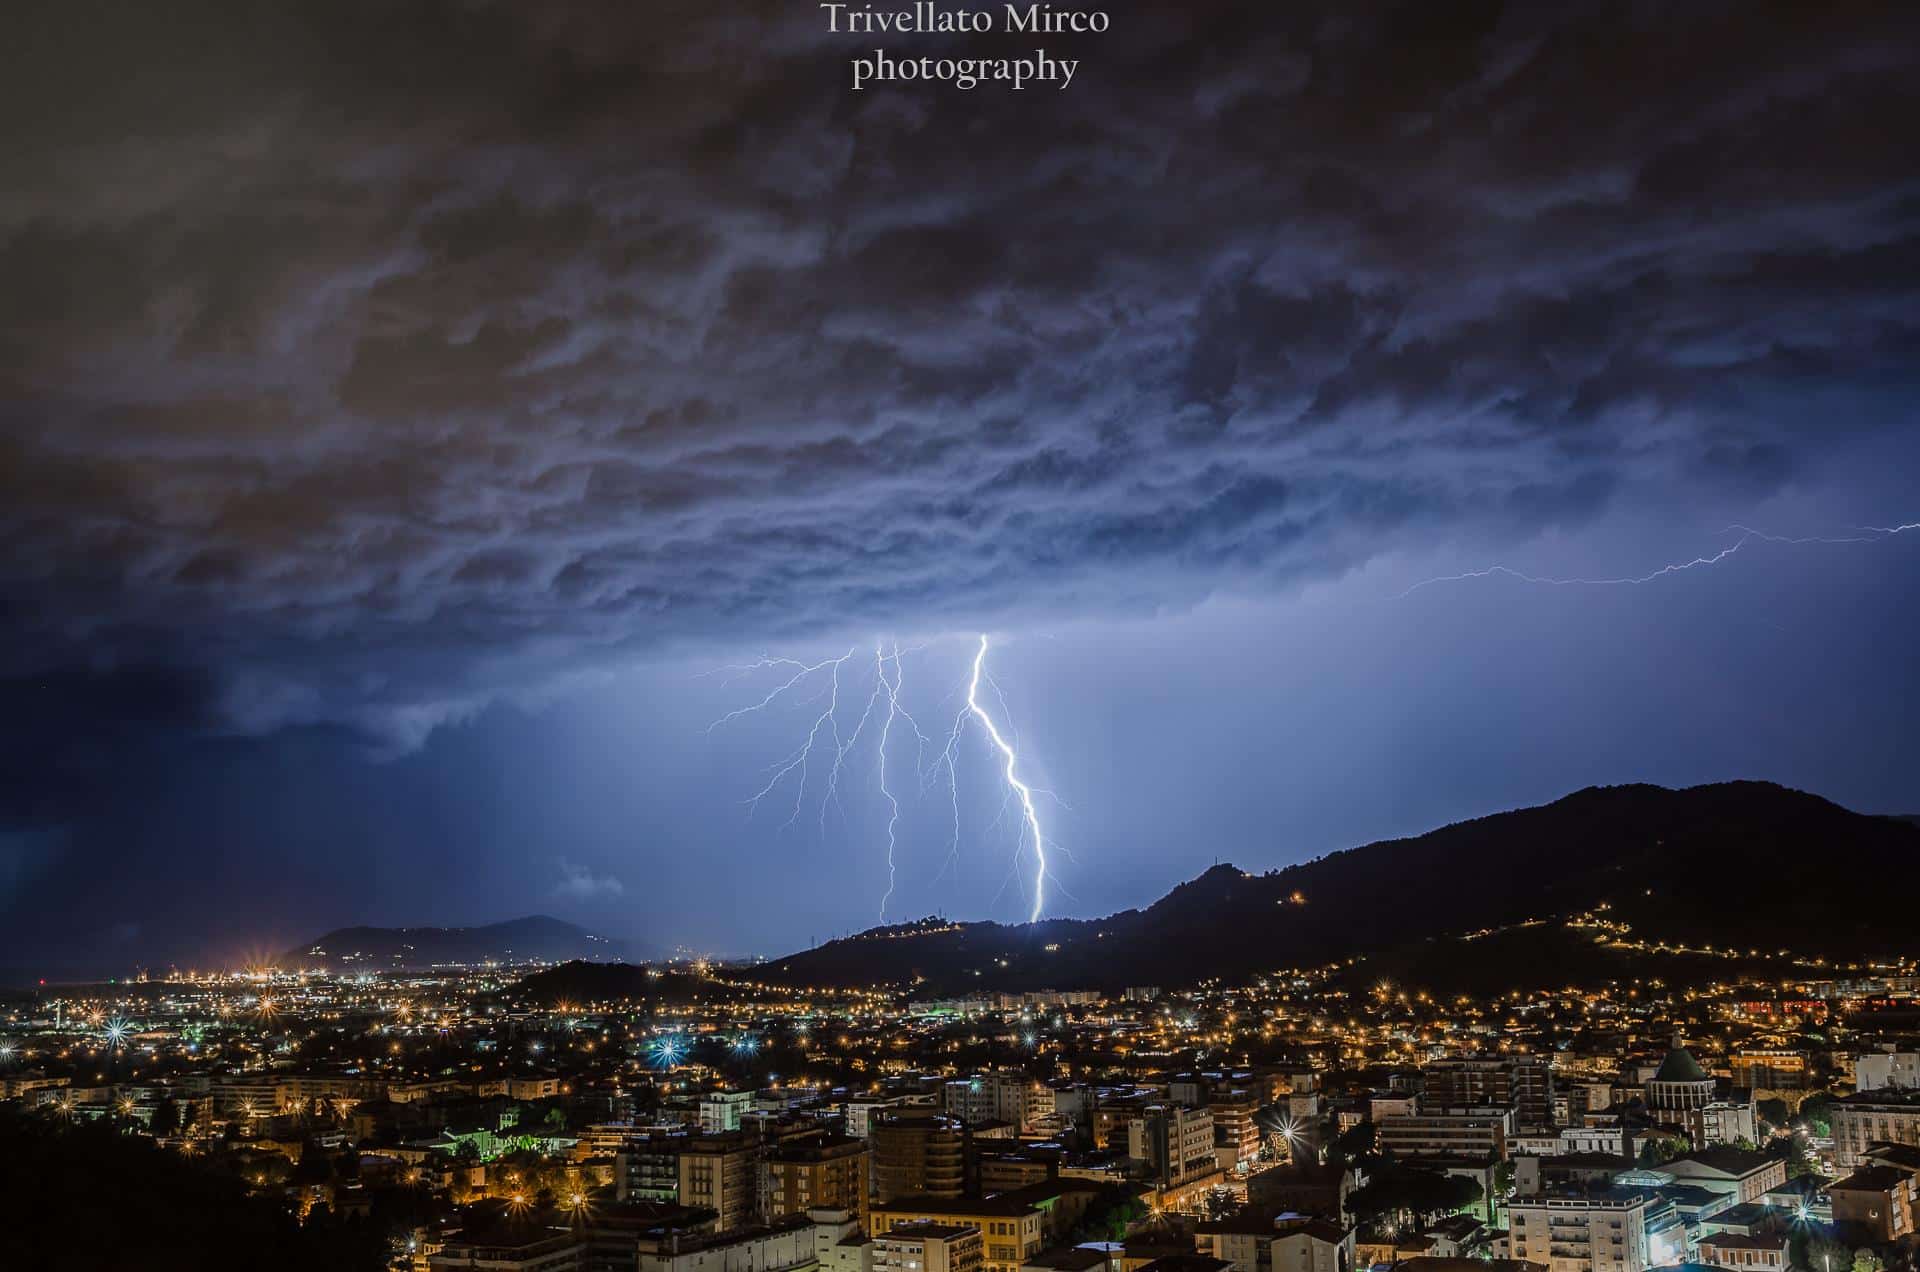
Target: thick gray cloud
(360,362)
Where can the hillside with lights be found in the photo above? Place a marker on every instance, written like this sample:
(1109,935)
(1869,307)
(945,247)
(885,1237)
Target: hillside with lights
(1599,885)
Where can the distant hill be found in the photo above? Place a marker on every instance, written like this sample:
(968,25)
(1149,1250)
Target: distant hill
(536,938)
(1746,864)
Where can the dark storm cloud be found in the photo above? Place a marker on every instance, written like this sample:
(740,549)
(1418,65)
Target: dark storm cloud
(361,361)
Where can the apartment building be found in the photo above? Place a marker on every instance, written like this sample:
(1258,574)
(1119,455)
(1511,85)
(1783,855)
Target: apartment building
(1011,1231)
(1521,1083)
(1009,1097)
(918,1152)
(1876,1201)
(1873,1117)
(1603,1230)
(722,1173)
(720,1111)
(929,1247)
(788,1246)
(1174,1143)
(1468,1132)
(1233,1126)
(829,1173)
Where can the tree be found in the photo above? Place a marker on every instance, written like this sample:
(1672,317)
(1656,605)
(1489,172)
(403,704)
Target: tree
(1824,1254)
(1398,1190)
(1113,1210)
(166,1118)
(1816,1112)
(99,1199)
(1352,1144)
(314,1167)
(1774,1113)
(1799,1157)
(1868,1260)
(1656,1150)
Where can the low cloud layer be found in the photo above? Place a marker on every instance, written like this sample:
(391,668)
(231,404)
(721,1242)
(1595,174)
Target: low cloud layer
(361,362)
(580,883)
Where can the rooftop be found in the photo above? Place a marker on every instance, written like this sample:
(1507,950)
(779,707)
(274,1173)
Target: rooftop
(1680,1066)
(1070,1259)
(1875,1179)
(1726,1159)
(1740,1241)
(1001,1206)
(927,1231)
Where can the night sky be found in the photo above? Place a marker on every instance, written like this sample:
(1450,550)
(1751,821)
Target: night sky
(409,412)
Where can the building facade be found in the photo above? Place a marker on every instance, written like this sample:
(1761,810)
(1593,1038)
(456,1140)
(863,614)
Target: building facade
(918,1153)
(929,1247)
(721,1173)
(1606,1230)
(1174,1143)
(1873,1117)
(1480,1133)
(821,1173)
(1011,1233)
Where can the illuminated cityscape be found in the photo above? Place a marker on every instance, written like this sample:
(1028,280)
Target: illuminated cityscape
(465,1116)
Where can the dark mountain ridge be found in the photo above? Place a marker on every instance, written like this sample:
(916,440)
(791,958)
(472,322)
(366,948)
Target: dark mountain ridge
(1746,864)
(535,938)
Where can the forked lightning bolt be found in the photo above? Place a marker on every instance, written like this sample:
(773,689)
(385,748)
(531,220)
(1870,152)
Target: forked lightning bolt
(889,680)
(1873,534)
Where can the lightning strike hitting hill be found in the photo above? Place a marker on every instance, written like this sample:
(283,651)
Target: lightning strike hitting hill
(885,701)
(1025,792)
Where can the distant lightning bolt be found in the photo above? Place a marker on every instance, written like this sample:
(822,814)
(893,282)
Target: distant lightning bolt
(1747,535)
(1024,791)
(946,760)
(800,759)
(840,748)
(886,731)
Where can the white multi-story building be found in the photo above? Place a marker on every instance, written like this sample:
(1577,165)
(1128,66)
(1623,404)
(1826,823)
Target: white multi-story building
(1602,1138)
(1614,1230)
(928,1247)
(838,1242)
(1728,1122)
(720,1111)
(1013,1098)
